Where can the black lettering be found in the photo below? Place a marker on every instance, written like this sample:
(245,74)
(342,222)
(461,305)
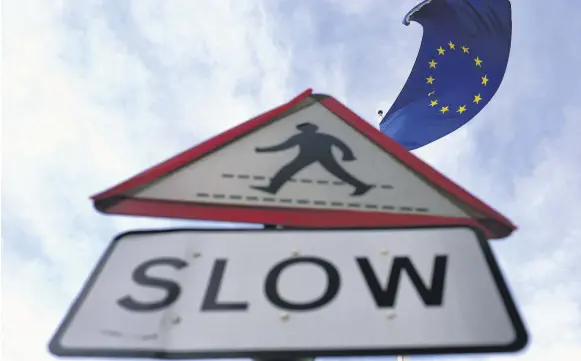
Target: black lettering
(211,298)
(431,296)
(141,278)
(271,284)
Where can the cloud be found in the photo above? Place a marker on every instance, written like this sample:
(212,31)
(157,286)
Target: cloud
(96,91)
(85,107)
(540,261)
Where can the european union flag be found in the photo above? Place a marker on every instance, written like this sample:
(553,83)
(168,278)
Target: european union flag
(460,65)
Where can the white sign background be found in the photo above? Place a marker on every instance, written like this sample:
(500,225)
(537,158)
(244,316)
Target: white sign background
(477,314)
(397,188)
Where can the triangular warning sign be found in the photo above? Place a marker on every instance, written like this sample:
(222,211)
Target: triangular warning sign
(308,163)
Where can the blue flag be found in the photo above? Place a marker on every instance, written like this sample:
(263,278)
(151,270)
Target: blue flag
(460,65)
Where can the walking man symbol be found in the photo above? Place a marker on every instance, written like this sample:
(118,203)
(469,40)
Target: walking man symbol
(313,147)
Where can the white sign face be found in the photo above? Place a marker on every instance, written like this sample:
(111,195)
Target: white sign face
(293,293)
(309,159)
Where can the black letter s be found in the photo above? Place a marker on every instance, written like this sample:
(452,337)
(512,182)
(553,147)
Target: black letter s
(141,278)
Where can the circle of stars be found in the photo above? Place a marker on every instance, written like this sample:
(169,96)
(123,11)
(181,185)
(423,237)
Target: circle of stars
(443,109)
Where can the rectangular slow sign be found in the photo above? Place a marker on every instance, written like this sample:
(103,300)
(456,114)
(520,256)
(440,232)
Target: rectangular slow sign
(300,293)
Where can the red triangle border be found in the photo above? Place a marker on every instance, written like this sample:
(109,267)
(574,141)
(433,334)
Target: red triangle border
(114,201)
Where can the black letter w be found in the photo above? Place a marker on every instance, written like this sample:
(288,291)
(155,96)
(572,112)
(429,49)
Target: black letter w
(431,296)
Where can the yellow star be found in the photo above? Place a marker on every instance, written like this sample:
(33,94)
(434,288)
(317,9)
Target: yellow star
(441,51)
(461,109)
(478,61)
(452,45)
(477,98)
(444,109)
(430,80)
(433,103)
(431,93)
(484,80)
(465,49)
(432,63)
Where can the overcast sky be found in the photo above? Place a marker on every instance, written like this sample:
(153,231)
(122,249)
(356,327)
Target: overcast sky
(94,92)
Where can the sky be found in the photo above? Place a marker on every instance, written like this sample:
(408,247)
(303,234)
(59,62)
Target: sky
(94,92)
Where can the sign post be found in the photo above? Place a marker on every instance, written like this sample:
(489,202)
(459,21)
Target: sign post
(366,251)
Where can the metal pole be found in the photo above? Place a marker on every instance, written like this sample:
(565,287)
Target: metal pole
(284,359)
(402,358)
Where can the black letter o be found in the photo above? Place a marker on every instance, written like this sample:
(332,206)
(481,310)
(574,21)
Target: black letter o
(271,289)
